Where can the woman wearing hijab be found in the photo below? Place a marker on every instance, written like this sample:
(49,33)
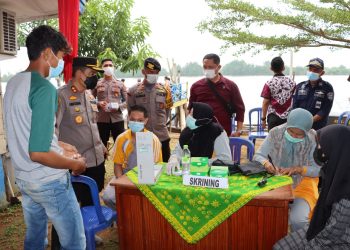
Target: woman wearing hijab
(330,224)
(202,135)
(288,150)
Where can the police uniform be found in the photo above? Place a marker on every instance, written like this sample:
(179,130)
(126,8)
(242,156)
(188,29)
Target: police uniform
(110,121)
(157,100)
(317,100)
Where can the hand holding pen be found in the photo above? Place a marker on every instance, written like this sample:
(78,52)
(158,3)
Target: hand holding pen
(270,167)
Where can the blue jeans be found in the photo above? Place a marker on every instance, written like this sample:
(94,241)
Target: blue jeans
(56,201)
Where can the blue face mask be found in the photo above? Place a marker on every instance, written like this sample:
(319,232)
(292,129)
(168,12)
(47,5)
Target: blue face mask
(136,126)
(191,122)
(312,76)
(55,72)
(291,138)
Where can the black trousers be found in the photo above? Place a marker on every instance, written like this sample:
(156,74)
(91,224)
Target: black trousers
(274,121)
(106,129)
(82,191)
(165,150)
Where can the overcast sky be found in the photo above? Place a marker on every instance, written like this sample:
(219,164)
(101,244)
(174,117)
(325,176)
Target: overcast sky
(174,36)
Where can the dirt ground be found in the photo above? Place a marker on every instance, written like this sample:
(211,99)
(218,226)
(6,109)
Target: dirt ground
(12,227)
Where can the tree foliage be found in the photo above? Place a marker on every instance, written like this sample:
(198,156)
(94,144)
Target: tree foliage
(287,24)
(107,24)
(106,30)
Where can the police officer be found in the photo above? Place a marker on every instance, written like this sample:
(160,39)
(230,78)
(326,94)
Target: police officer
(111,95)
(315,94)
(156,98)
(76,122)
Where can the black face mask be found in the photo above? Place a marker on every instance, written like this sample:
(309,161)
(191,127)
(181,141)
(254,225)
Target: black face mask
(91,82)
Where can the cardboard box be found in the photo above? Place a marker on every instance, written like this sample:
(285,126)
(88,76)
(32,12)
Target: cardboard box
(199,166)
(219,171)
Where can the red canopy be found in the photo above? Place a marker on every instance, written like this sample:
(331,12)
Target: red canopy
(68,16)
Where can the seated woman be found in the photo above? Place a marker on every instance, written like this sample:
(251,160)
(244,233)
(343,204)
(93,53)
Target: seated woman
(202,135)
(330,224)
(288,150)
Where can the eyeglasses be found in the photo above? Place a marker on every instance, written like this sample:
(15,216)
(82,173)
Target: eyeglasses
(108,65)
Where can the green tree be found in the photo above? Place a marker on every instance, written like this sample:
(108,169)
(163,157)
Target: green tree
(305,24)
(24,29)
(107,24)
(191,69)
(106,30)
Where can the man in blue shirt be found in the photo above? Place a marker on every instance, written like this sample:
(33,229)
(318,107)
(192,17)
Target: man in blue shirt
(315,94)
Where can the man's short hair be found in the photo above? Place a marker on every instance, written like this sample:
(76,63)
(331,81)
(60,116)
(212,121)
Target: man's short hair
(139,109)
(105,60)
(213,57)
(277,64)
(44,37)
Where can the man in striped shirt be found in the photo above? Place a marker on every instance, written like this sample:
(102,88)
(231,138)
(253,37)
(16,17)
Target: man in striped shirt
(124,156)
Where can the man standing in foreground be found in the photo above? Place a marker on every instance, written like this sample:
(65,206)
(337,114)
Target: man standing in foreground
(315,94)
(220,93)
(41,168)
(76,123)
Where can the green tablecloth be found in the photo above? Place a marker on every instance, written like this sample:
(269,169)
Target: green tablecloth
(196,211)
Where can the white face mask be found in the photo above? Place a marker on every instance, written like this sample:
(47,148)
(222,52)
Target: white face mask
(108,71)
(152,78)
(209,73)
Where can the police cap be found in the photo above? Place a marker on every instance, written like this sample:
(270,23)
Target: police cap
(152,64)
(88,62)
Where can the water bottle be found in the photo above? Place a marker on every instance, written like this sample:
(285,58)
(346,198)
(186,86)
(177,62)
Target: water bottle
(186,160)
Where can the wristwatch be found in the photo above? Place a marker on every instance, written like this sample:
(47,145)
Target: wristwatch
(263,118)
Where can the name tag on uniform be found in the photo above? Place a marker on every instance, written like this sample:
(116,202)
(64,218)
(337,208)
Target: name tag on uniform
(74,103)
(302,92)
(318,104)
(94,106)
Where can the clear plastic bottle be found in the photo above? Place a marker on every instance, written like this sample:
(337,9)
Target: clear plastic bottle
(186,160)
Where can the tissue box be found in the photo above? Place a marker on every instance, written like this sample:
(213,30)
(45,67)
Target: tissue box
(219,171)
(199,166)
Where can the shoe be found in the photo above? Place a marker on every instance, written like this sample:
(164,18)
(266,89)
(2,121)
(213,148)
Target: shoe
(98,240)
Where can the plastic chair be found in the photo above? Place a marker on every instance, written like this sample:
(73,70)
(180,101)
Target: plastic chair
(236,144)
(96,217)
(344,116)
(260,133)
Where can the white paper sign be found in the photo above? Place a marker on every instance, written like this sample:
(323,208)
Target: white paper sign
(205,181)
(145,161)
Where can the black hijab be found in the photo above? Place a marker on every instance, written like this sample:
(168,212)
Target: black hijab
(335,145)
(201,140)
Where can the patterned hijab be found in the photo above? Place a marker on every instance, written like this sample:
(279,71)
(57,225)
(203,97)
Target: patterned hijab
(335,144)
(287,154)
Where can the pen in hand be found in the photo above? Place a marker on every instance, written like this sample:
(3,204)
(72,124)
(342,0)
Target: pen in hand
(275,168)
